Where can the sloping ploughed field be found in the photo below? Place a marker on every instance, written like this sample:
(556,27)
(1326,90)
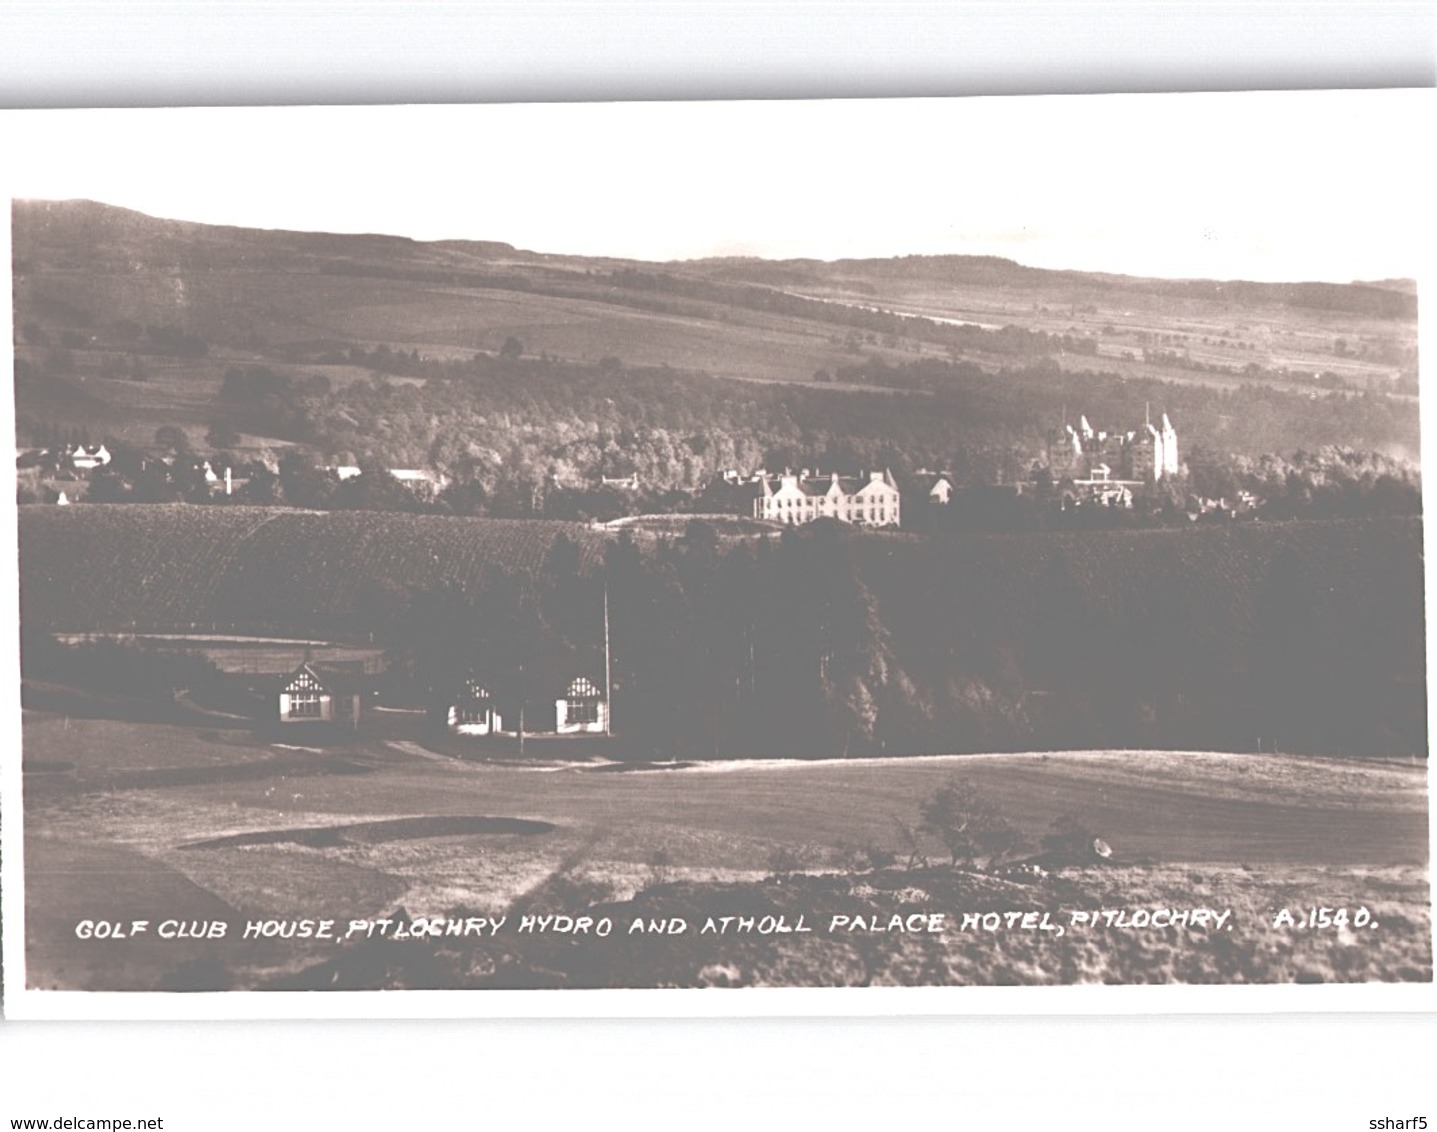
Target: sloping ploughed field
(108,566)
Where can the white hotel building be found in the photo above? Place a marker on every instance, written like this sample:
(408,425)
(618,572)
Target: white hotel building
(802,498)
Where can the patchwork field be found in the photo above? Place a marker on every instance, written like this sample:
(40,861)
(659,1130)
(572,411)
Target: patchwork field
(134,821)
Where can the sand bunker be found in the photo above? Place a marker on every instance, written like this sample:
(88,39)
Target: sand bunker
(376,832)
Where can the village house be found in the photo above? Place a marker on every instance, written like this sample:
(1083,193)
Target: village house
(941,490)
(470,709)
(422,482)
(873,501)
(87,457)
(1099,487)
(932,487)
(583,709)
(473,711)
(215,481)
(323,694)
(1199,508)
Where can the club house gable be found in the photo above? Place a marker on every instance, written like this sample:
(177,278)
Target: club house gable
(322,694)
(472,710)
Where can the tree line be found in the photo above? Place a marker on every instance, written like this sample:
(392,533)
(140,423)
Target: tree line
(827,642)
(824,643)
(519,425)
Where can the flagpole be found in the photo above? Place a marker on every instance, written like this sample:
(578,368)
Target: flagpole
(608,687)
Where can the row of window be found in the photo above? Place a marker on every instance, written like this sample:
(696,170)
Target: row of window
(575,711)
(787,509)
(578,709)
(581,711)
(304,705)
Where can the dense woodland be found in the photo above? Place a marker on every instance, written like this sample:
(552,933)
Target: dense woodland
(1296,636)
(522,437)
(827,644)
(506,420)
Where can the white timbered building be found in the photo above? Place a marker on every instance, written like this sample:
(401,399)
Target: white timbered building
(583,709)
(473,711)
(312,695)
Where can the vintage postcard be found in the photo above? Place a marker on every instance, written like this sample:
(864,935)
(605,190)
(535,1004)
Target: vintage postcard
(834,557)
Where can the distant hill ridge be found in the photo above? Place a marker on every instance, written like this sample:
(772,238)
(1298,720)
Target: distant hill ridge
(79,233)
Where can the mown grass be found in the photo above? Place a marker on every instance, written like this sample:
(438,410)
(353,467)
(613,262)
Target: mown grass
(436,836)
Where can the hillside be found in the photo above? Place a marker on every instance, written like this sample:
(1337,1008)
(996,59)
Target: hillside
(1303,634)
(1389,298)
(180,563)
(301,571)
(125,323)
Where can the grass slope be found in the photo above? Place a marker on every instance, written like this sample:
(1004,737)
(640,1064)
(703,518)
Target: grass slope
(83,269)
(435,837)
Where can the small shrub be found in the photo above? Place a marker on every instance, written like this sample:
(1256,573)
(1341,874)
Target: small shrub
(879,857)
(968,824)
(659,863)
(910,841)
(785,860)
(1067,836)
(849,859)
(567,893)
(1069,840)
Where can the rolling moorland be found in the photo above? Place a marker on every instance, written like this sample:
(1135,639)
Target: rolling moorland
(515,370)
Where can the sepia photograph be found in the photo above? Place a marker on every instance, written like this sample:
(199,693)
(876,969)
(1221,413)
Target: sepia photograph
(949,545)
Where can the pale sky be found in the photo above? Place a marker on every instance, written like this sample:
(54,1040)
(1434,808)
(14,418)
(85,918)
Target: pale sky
(1281,186)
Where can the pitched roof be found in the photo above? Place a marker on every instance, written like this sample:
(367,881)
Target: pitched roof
(472,689)
(821,484)
(337,678)
(581,687)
